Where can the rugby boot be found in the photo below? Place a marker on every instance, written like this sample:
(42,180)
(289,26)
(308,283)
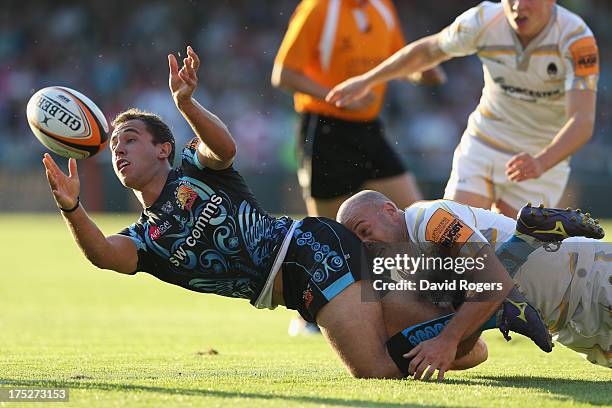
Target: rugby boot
(518,316)
(554,224)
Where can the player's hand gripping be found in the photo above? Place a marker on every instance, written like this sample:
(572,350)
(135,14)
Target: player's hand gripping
(184,81)
(437,354)
(65,188)
(348,92)
(522,167)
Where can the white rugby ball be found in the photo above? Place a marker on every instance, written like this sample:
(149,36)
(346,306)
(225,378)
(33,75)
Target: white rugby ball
(67,122)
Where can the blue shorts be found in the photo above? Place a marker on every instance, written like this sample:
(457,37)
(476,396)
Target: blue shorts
(323,259)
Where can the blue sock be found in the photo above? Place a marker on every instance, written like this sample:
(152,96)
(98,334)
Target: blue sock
(514,252)
(427,330)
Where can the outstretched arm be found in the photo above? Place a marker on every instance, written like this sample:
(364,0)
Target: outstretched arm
(218,147)
(418,56)
(116,252)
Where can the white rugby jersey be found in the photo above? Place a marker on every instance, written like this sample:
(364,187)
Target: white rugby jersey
(523,100)
(448,222)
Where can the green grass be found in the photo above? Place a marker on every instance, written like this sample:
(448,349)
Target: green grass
(134,341)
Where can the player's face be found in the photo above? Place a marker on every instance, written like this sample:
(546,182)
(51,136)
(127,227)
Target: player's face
(528,17)
(376,225)
(136,159)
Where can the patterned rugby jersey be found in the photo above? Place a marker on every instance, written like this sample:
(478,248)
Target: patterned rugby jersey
(207,233)
(523,100)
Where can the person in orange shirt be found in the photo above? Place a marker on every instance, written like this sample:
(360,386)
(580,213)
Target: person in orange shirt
(343,150)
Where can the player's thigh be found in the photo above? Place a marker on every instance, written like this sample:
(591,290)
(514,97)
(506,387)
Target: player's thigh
(402,309)
(356,331)
(401,189)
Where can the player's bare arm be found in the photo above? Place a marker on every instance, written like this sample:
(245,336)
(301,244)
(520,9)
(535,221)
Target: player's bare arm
(117,253)
(440,352)
(296,81)
(218,147)
(580,111)
(417,56)
(432,77)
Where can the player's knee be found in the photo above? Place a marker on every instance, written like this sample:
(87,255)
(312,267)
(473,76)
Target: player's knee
(481,352)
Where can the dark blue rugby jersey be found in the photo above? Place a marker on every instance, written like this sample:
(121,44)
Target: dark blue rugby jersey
(207,233)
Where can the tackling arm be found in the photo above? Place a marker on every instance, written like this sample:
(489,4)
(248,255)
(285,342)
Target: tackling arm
(418,56)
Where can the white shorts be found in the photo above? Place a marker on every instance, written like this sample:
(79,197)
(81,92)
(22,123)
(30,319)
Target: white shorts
(573,290)
(481,169)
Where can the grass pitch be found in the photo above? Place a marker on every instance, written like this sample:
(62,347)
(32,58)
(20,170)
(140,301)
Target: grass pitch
(117,340)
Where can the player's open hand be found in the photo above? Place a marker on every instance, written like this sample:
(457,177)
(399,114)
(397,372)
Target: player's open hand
(65,188)
(184,81)
(522,167)
(437,354)
(348,92)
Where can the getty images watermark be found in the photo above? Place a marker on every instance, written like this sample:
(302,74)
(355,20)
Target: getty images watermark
(400,266)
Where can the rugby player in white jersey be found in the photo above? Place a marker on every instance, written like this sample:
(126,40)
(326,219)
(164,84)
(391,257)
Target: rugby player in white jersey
(540,64)
(569,284)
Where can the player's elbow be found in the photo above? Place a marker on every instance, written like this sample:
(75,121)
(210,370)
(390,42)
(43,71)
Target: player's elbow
(229,150)
(277,76)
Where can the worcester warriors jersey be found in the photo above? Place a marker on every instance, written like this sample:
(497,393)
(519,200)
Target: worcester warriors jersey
(207,233)
(458,226)
(522,105)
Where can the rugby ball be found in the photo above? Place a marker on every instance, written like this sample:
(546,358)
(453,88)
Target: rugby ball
(67,122)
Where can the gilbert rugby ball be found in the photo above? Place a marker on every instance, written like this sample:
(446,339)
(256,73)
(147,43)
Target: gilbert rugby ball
(67,122)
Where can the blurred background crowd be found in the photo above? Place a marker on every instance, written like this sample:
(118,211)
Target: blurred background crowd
(115,53)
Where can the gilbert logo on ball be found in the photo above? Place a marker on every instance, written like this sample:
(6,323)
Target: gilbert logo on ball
(67,122)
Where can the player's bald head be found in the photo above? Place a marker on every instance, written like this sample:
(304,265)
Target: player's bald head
(364,201)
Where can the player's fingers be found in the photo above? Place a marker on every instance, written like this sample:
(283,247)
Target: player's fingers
(413,352)
(430,372)
(332,96)
(50,178)
(516,159)
(194,56)
(186,78)
(441,372)
(513,164)
(188,68)
(514,176)
(414,363)
(72,168)
(172,64)
(344,101)
(50,163)
(420,369)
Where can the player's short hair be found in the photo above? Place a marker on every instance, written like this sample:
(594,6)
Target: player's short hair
(155,125)
(356,202)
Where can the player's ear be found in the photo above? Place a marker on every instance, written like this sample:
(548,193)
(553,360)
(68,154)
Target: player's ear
(389,208)
(164,150)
